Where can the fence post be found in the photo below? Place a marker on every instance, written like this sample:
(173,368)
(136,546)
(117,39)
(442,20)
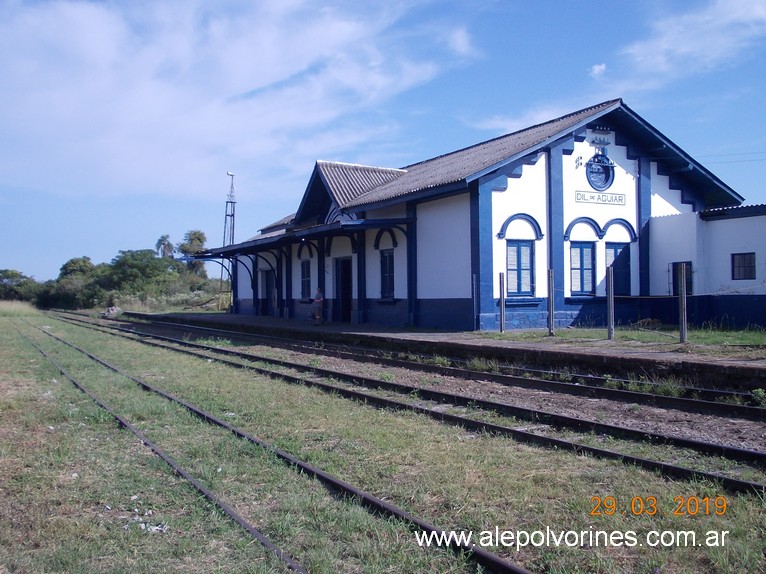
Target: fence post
(550,304)
(502,302)
(610,303)
(682,326)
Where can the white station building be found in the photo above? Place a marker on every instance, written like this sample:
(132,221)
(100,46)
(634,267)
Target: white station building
(550,207)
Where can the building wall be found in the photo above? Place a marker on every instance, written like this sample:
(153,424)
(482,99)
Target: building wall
(443,264)
(675,238)
(619,201)
(665,200)
(458,253)
(727,236)
(525,195)
(444,248)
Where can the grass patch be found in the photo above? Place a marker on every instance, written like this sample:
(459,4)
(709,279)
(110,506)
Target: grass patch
(17,309)
(705,341)
(456,479)
(80,495)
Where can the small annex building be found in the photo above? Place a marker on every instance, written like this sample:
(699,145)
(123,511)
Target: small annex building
(550,206)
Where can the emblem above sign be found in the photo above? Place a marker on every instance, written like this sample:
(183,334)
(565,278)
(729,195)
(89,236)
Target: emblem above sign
(600,172)
(600,169)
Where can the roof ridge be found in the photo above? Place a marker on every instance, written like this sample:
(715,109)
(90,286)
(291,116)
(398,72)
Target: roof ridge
(350,164)
(606,103)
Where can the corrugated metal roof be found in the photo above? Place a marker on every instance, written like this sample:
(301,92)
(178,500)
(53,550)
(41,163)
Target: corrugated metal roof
(458,165)
(346,181)
(734,212)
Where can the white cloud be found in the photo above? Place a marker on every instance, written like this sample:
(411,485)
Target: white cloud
(680,45)
(533,116)
(699,40)
(164,96)
(459,41)
(597,70)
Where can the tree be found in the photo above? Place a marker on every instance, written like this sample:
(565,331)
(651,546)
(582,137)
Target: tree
(136,271)
(194,242)
(164,247)
(77,266)
(14,285)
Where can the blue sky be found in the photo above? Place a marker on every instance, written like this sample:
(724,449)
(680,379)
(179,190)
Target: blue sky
(120,119)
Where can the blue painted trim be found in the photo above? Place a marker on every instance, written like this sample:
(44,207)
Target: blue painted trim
(269,263)
(310,247)
(235,285)
(390,231)
(289,282)
(624,223)
(412,265)
(475,252)
(581,245)
(279,281)
(500,183)
(487,303)
(256,285)
(321,275)
(588,221)
(516,244)
(556,224)
(351,238)
(644,214)
(361,278)
(525,217)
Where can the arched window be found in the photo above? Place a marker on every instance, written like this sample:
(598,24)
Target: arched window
(305,278)
(520,267)
(520,232)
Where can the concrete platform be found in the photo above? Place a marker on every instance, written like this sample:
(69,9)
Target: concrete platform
(614,357)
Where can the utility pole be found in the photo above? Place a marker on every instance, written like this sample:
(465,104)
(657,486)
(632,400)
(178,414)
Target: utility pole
(228,239)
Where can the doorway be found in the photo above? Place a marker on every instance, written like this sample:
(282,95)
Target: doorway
(270,303)
(343,290)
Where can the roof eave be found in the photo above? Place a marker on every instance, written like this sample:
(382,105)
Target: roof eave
(443,190)
(706,173)
(573,129)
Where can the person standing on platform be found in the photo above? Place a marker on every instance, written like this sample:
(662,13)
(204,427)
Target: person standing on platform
(317,312)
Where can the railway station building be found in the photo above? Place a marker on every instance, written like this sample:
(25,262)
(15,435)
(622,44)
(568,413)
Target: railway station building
(549,207)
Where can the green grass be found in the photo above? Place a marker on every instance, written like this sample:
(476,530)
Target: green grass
(325,533)
(17,309)
(451,477)
(707,341)
(701,336)
(76,489)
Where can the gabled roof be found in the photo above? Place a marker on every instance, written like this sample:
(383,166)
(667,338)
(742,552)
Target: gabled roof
(339,183)
(758,210)
(347,181)
(337,188)
(462,164)
(276,228)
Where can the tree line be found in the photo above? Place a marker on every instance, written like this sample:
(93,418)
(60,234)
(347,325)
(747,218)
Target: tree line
(136,274)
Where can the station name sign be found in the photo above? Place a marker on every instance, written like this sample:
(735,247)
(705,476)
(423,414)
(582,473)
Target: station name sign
(600,198)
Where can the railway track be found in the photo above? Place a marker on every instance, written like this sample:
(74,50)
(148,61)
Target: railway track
(686,398)
(488,561)
(247,360)
(640,379)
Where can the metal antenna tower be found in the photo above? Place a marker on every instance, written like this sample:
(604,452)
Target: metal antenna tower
(228,225)
(228,239)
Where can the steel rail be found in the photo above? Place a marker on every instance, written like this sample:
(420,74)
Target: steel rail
(476,554)
(730,484)
(709,393)
(285,558)
(693,405)
(725,451)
